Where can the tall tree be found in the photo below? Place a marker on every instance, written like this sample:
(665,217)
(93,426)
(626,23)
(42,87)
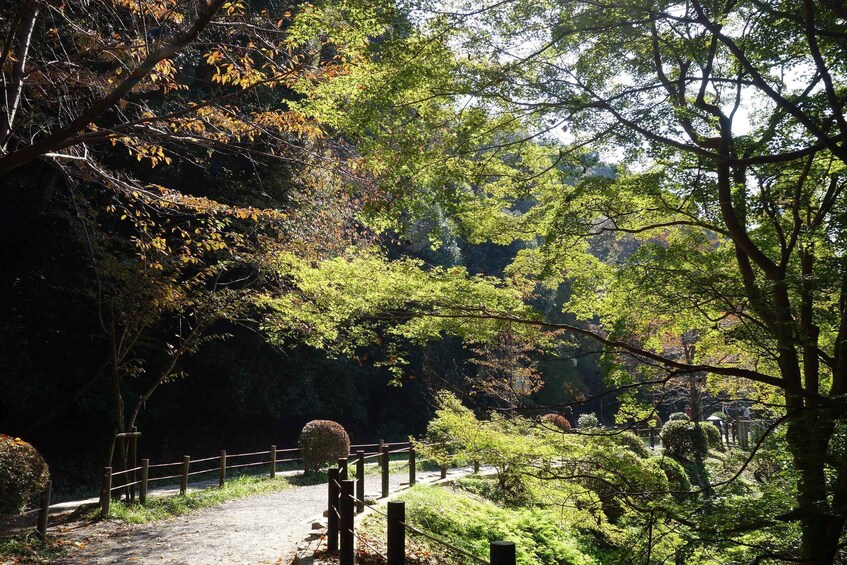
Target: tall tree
(728,118)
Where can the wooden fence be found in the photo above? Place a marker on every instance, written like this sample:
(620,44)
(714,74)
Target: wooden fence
(124,482)
(346,498)
(735,432)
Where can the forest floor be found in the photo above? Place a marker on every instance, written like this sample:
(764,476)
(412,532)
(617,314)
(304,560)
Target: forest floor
(280,528)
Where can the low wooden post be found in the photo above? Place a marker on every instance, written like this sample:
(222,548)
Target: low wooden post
(222,472)
(273,461)
(412,470)
(652,438)
(145,475)
(476,466)
(342,468)
(106,491)
(44,511)
(444,471)
(396,533)
(345,509)
(360,481)
(183,481)
(385,469)
(502,553)
(332,509)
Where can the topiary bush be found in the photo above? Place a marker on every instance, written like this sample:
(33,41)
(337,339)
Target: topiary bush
(588,421)
(679,416)
(713,436)
(23,474)
(684,440)
(323,442)
(678,483)
(632,442)
(557,420)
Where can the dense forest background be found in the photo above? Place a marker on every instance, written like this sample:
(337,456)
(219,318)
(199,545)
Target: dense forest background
(239,391)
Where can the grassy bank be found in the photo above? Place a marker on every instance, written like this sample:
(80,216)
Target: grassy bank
(470,522)
(158,508)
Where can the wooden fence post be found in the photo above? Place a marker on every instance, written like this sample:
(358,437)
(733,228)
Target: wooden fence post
(502,553)
(443,471)
(396,533)
(476,466)
(385,465)
(183,481)
(412,470)
(133,457)
(342,468)
(44,512)
(652,438)
(106,491)
(145,474)
(360,481)
(345,509)
(332,508)
(222,472)
(273,461)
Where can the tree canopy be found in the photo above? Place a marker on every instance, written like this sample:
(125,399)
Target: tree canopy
(677,166)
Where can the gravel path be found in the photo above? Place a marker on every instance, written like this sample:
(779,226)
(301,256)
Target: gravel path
(263,529)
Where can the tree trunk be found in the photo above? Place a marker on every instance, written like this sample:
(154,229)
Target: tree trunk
(808,437)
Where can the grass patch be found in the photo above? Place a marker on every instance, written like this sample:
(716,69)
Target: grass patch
(29,548)
(158,508)
(471,523)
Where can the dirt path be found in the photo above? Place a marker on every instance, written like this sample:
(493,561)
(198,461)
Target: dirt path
(262,529)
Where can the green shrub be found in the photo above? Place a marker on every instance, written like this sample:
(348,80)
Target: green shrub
(677,416)
(588,421)
(557,420)
(678,483)
(23,474)
(323,442)
(631,442)
(713,435)
(684,439)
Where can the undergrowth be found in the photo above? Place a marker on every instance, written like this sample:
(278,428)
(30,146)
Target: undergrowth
(29,548)
(471,522)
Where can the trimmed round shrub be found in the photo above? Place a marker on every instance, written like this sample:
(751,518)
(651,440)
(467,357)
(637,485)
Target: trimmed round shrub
(23,474)
(679,416)
(557,420)
(684,440)
(678,482)
(713,436)
(323,442)
(588,421)
(631,442)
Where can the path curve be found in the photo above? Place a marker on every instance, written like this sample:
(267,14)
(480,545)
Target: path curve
(261,529)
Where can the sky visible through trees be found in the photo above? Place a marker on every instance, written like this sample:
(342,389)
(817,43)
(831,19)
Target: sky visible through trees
(533,204)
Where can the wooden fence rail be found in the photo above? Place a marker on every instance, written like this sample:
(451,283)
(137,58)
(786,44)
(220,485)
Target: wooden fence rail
(142,476)
(125,481)
(343,504)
